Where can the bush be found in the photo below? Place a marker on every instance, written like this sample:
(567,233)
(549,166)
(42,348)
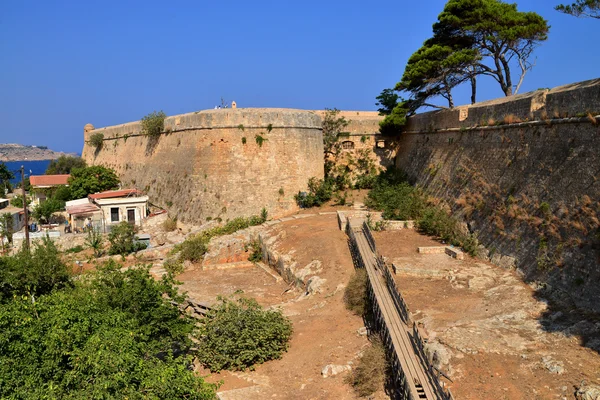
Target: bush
(369,374)
(121,238)
(319,192)
(393,195)
(153,124)
(170,224)
(256,253)
(94,241)
(33,273)
(436,222)
(64,165)
(355,294)
(112,335)
(173,266)
(194,248)
(17,201)
(97,140)
(239,334)
(43,212)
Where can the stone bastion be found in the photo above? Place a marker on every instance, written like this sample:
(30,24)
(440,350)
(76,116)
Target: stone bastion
(220,163)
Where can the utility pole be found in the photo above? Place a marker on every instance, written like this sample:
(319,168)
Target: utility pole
(26,243)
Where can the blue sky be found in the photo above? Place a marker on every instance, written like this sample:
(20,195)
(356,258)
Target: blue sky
(66,63)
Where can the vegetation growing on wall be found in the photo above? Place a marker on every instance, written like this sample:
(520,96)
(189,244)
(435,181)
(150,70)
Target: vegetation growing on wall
(153,124)
(97,140)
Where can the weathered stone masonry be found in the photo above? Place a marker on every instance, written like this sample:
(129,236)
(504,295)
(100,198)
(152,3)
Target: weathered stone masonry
(200,168)
(524,173)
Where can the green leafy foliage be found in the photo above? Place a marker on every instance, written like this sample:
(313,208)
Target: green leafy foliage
(355,294)
(5,176)
(260,140)
(319,192)
(255,251)
(581,8)
(153,124)
(109,335)
(89,180)
(393,124)
(6,227)
(32,273)
(497,31)
(333,129)
(17,201)
(398,200)
(121,238)
(44,211)
(64,165)
(97,140)
(238,334)
(62,193)
(193,248)
(173,266)
(95,241)
(386,101)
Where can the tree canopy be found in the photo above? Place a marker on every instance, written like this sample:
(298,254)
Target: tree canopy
(89,180)
(44,211)
(581,8)
(64,165)
(472,38)
(499,33)
(5,176)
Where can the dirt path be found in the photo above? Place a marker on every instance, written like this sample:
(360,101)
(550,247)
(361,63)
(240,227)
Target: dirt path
(324,331)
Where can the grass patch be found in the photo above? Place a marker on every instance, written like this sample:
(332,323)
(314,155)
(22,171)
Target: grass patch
(170,224)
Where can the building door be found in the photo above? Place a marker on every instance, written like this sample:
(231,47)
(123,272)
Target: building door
(131,216)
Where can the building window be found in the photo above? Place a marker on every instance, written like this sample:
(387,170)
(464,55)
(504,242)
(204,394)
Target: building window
(114,215)
(348,145)
(381,144)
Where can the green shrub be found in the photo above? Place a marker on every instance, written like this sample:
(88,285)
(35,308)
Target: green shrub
(260,140)
(256,251)
(121,238)
(239,334)
(112,335)
(369,374)
(95,241)
(355,294)
(33,273)
(319,192)
(97,140)
(153,124)
(17,201)
(173,266)
(192,249)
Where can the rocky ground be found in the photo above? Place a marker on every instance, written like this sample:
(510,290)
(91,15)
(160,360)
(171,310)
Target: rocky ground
(487,330)
(490,333)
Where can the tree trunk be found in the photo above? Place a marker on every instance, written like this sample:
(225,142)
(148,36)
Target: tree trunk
(473,88)
(509,88)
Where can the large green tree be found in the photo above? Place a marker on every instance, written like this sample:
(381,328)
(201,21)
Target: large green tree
(64,165)
(44,211)
(581,8)
(435,69)
(5,176)
(89,180)
(503,37)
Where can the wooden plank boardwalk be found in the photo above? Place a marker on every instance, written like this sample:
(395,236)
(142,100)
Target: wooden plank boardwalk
(413,375)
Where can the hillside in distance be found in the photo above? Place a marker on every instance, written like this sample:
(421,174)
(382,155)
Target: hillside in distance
(19,152)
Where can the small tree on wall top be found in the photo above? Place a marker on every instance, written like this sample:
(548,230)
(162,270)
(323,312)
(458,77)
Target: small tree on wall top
(153,124)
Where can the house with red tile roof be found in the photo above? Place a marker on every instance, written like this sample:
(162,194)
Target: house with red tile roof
(41,185)
(105,209)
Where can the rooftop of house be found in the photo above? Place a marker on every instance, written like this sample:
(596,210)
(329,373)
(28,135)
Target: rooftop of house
(49,180)
(111,194)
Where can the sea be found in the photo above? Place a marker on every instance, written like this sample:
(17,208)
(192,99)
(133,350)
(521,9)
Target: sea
(31,168)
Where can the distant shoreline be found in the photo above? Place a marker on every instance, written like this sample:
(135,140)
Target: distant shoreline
(10,152)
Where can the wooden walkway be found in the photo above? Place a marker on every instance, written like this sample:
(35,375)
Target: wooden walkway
(414,376)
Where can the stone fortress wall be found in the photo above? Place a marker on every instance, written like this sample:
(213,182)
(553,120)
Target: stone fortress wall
(524,174)
(208,164)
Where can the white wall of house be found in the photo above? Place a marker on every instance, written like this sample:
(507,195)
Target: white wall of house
(128,209)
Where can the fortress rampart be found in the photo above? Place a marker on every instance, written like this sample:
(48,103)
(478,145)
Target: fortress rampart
(524,174)
(210,164)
